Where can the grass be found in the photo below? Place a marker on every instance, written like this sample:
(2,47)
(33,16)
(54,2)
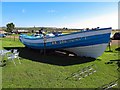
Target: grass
(0,67)
(51,70)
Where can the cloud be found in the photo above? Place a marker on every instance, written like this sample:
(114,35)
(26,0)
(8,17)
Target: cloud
(51,11)
(64,17)
(106,20)
(23,10)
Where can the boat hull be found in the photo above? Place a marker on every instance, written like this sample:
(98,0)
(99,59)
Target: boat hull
(90,43)
(89,51)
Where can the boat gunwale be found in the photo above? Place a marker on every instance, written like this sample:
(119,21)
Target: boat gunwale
(90,30)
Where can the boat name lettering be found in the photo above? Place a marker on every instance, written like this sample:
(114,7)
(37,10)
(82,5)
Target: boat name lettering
(65,41)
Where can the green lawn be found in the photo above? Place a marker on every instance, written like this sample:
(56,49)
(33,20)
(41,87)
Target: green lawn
(51,70)
(0,67)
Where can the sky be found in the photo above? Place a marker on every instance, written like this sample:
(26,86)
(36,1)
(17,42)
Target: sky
(61,14)
(60,0)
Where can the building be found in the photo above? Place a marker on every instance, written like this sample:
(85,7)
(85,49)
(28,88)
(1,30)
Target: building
(2,31)
(21,31)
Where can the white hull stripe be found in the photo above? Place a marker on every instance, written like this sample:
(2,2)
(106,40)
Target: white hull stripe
(89,51)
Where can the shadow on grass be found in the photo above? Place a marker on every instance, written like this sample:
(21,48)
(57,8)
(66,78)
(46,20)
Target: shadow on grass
(98,59)
(51,57)
(117,62)
(117,49)
(112,61)
(109,51)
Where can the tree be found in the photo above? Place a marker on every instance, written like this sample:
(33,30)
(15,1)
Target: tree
(10,27)
(65,28)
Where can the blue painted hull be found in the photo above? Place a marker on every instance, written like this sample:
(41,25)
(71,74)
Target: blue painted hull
(79,39)
(84,41)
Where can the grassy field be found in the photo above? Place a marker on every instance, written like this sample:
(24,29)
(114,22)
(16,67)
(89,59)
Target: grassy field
(51,70)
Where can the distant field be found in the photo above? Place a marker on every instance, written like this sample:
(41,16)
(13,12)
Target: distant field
(51,70)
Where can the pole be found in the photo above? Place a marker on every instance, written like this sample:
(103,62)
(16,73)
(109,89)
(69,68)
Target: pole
(109,45)
(14,37)
(44,44)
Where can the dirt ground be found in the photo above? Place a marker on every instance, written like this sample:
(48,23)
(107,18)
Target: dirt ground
(12,36)
(115,42)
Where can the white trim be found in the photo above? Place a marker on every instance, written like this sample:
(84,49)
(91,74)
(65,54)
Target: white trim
(89,51)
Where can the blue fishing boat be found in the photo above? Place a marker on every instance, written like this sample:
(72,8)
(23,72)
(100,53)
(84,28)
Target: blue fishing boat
(89,43)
